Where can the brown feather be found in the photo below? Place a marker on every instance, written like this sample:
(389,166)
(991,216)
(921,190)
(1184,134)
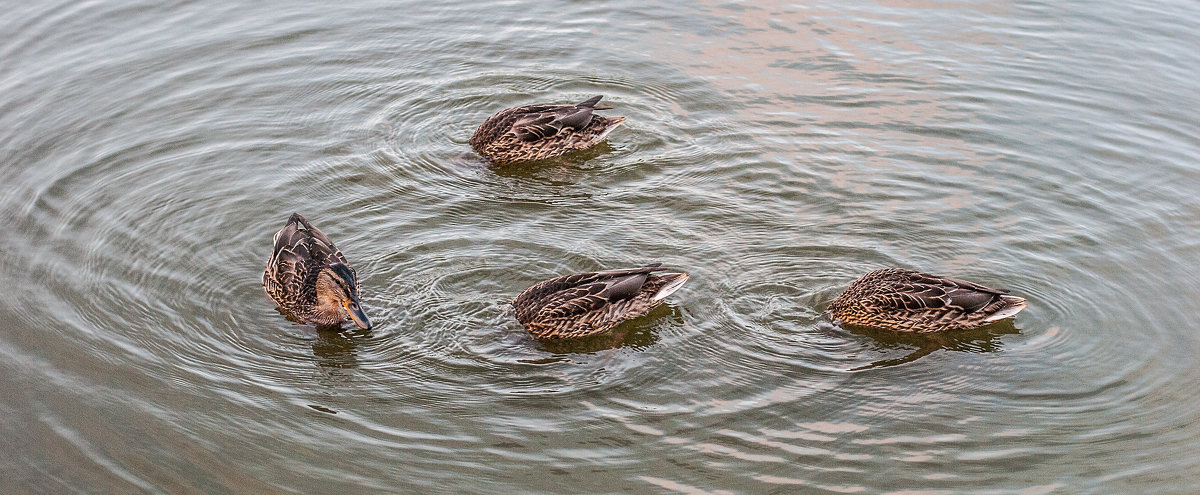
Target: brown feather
(911,301)
(586,304)
(538,132)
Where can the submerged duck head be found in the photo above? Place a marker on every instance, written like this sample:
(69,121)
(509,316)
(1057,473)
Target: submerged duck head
(337,295)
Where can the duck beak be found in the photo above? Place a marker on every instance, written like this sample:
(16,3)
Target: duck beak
(356,313)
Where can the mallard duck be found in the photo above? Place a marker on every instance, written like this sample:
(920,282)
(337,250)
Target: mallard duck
(911,301)
(310,280)
(586,304)
(537,132)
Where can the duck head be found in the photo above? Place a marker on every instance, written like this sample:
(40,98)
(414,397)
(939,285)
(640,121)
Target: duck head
(337,295)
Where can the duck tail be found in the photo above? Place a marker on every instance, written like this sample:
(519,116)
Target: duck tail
(1013,306)
(300,221)
(610,124)
(673,281)
(590,102)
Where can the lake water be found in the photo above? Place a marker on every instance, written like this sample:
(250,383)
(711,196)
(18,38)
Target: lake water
(775,151)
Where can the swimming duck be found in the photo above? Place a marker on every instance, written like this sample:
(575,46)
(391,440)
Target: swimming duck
(309,279)
(586,304)
(911,301)
(537,132)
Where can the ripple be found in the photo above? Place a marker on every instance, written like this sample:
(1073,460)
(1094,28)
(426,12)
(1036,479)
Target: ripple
(154,151)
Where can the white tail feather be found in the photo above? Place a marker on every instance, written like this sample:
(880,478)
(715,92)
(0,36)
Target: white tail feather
(610,129)
(670,288)
(1016,304)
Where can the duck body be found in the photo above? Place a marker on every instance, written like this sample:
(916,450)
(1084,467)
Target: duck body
(310,279)
(538,132)
(587,304)
(911,301)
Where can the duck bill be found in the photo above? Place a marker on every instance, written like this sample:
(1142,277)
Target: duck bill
(359,317)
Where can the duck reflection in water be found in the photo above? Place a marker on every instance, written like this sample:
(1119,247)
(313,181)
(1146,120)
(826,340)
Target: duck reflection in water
(337,349)
(981,339)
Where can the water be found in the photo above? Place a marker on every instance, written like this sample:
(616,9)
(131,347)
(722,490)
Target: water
(774,151)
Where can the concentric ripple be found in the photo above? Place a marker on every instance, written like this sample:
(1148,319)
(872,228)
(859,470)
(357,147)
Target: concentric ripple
(774,152)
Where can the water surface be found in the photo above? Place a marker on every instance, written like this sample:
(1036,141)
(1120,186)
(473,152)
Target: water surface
(775,151)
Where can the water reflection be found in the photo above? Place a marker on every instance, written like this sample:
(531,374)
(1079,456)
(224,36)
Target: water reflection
(336,349)
(982,339)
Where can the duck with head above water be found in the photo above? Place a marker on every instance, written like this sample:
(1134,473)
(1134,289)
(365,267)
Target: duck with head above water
(911,301)
(310,280)
(537,132)
(587,304)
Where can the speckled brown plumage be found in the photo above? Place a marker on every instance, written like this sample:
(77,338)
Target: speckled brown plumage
(911,301)
(309,278)
(537,132)
(586,304)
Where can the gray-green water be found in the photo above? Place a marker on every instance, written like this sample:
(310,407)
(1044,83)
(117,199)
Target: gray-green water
(775,151)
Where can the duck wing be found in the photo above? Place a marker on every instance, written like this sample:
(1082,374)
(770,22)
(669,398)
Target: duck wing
(301,240)
(581,293)
(543,121)
(916,291)
(300,249)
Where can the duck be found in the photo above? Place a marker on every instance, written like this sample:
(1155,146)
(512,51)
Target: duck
(538,132)
(310,279)
(587,304)
(911,301)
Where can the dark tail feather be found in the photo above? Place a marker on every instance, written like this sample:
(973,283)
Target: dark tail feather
(591,102)
(625,288)
(296,218)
